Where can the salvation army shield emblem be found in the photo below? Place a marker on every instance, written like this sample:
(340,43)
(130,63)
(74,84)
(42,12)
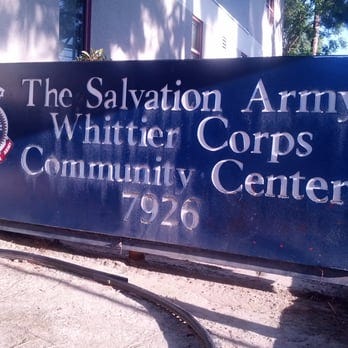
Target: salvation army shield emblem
(5,142)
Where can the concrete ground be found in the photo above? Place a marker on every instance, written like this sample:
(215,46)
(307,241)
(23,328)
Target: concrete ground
(42,307)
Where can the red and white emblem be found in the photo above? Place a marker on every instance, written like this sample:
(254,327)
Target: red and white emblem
(5,142)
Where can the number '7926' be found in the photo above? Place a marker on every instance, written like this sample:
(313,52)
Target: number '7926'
(150,206)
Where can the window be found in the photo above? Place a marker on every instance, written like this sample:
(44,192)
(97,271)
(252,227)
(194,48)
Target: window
(74,23)
(197,38)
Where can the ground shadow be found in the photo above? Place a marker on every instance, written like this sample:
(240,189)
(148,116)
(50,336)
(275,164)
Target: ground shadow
(315,319)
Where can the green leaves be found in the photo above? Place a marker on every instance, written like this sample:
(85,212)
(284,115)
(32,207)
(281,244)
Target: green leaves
(296,30)
(93,55)
(300,26)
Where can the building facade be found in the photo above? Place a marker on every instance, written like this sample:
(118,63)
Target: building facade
(51,30)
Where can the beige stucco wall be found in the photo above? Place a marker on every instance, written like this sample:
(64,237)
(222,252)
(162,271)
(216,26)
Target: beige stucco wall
(142,29)
(28,30)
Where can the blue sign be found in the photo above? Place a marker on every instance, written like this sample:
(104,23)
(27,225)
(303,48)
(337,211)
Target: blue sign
(245,156)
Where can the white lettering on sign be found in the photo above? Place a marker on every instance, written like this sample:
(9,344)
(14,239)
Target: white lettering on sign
(115,132)
(163,174)
(260,97)
(282,143)
(316,189)
(158,141)
(52,96)
(149,205)
(164,99)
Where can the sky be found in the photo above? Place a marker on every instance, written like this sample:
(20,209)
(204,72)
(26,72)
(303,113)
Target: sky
(343,51)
